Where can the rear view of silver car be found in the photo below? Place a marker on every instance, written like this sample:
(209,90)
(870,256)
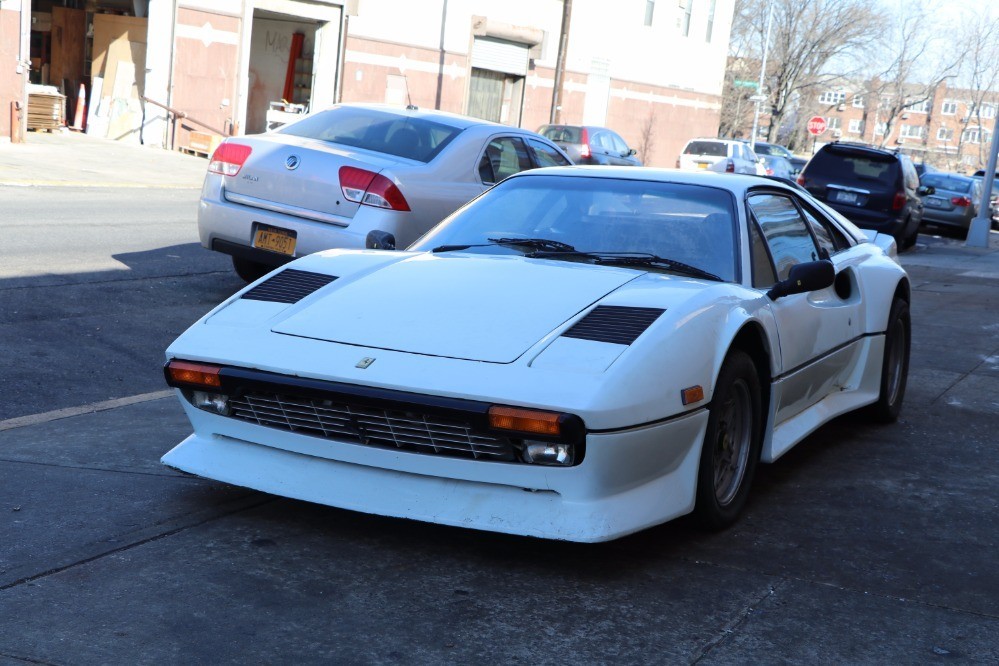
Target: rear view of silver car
(329,179)
(954,202)
(721,155)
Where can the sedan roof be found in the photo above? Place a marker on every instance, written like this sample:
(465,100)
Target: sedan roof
(736,183)
(452,119)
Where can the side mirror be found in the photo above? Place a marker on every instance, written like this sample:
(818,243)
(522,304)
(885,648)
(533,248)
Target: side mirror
(379,240)
(631,151)
(809,276)
(926,190)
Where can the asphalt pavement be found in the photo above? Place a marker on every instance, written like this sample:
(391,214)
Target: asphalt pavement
(864,544)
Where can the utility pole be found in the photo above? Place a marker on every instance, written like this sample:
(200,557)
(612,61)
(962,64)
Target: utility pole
(760,96)
(978,232)
(563,44)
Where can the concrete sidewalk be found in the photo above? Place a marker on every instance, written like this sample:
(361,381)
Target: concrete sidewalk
(71,159)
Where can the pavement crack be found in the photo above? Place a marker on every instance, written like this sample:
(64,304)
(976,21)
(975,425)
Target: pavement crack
(156,532)
(85,468)
(735,623)
(27,660)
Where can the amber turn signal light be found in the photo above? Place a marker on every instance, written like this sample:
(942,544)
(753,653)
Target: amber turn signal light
(692,395)
(199,374)
(525,420)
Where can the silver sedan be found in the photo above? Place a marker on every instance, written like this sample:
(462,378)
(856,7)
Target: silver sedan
(332,177)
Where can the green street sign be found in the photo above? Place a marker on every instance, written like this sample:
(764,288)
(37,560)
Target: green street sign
(746,84)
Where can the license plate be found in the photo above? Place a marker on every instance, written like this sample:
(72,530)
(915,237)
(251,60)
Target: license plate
(702,165)
(277,240)
(935,202)
(846,197)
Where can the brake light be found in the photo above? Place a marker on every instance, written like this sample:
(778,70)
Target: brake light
(963,202)
(371,189)
(801,180)
(584,138)
(898,203)
(730,167)
(770,171)
(229,158)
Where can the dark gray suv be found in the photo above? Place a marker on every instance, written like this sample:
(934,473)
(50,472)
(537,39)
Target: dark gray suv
(587,144)
(873,188)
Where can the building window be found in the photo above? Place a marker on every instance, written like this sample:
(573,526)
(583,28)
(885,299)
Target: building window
(858,101)
(945,134)
(879,129)
(854,126)
(911,131)
(711,20)
(971,135)
(688,7)
(918,107)
(650,8)
(834,123)
(949,107)
(830,97)
(988,111)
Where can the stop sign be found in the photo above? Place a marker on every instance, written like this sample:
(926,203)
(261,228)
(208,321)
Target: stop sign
(816,125)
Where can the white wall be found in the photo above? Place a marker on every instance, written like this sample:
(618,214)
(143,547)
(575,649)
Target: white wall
(612,34)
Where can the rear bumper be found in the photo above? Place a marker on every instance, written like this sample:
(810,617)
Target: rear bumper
(957,219)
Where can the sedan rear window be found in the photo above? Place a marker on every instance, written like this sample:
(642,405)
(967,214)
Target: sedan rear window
(713,148)
(949,183)
(561,133)
(369,129)
(849,165)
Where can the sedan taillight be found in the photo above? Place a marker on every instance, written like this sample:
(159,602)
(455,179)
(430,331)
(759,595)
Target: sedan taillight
(229,158)
(730,167)
(371,189)
(963,202)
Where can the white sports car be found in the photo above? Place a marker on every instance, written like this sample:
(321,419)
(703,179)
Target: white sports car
(579,353)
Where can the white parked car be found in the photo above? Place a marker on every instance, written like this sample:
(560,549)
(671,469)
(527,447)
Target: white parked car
(579,353)
(721,155)
(328,179)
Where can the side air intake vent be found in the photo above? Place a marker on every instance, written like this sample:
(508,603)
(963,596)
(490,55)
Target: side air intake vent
(289,286)
(612,323)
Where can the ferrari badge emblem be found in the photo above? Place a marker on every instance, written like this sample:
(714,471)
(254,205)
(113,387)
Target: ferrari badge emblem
(365,362)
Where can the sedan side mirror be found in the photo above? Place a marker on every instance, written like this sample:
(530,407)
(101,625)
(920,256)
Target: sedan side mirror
(631,151)
(379,240)
(926,190)
(809,276)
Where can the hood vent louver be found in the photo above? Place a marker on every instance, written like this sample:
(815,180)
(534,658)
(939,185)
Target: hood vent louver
(614,324)
(289,286)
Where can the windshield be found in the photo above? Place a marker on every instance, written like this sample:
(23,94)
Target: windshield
(691,224)
(392,133)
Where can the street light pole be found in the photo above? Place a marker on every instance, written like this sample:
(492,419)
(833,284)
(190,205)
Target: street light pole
(763,73)
(978,232)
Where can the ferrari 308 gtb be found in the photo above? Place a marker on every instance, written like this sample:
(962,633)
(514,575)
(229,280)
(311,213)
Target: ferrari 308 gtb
(579,353)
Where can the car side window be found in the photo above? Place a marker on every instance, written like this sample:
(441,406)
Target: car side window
(785,232)
(504,156)
(619,145)
(546,155)
(910,175)
(828,236)
(762,267)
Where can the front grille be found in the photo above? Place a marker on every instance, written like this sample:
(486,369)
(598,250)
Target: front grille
(384,428)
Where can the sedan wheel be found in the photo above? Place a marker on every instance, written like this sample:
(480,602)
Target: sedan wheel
(895,366)
(731,445)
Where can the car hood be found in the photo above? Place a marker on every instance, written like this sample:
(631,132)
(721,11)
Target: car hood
(480,308)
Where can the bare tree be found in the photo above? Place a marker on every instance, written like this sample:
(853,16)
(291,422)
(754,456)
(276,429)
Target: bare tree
(810,39)
(979,74)
(647,138)
(910,74)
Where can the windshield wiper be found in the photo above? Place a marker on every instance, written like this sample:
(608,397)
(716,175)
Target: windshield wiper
(533,243)
(632,259)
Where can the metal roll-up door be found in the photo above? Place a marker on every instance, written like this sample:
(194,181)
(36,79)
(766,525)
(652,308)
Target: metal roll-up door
(500,56)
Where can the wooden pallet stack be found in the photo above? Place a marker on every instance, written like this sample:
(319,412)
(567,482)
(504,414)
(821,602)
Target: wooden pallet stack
(46,111)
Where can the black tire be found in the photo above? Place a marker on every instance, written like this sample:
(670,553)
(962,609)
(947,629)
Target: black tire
(732,443)
(908,240)
(895,364)
(250,271)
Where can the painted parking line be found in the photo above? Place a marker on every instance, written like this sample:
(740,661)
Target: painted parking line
(68,412)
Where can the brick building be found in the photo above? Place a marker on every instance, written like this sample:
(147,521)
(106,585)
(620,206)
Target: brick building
(946,128)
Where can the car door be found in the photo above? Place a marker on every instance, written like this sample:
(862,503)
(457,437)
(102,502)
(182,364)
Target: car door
(546,154)
(621,153)
(819,332)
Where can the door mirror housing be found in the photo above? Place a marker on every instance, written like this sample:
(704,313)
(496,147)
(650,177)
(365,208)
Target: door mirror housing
(926,190)
(809,276)
(379,240)
(631,151)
